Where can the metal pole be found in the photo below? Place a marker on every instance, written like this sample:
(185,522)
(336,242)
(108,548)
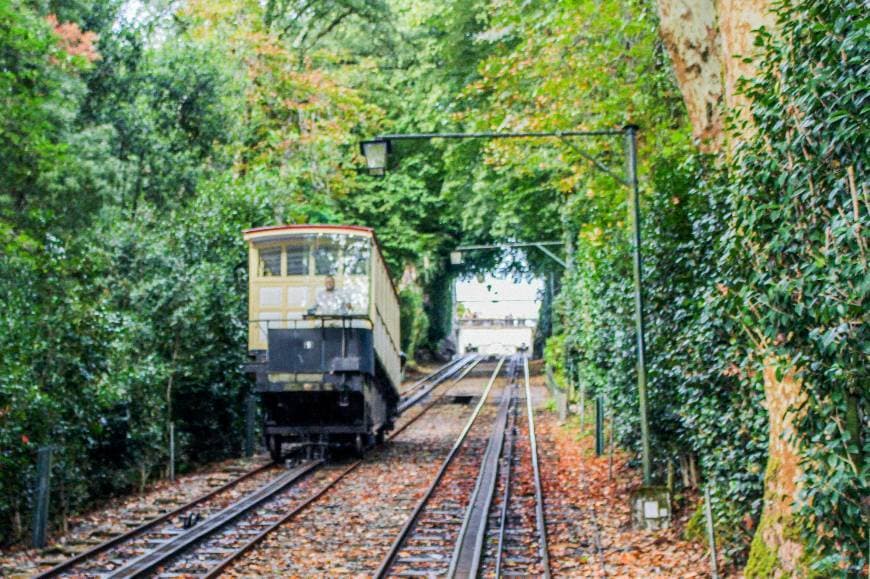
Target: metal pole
(172,451)
(495,135)
(43,481)
(631,151)
(250,413)
(599,426)
(610,445)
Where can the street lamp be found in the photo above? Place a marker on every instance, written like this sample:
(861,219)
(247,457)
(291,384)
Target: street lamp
(376,152)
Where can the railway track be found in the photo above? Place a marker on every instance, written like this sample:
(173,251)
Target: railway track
(459,528)
(422,388)
(110,554)
(205,536)
(517,538)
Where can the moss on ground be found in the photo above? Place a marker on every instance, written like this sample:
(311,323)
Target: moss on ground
(696,526)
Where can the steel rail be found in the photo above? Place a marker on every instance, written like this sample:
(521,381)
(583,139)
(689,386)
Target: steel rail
(539,494)
(431,376)
(424,389)
(253,542)
(468,551)
(155,558)
(410,522)
(506,496)
(133,533)
(422,381)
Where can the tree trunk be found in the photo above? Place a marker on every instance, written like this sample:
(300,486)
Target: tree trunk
(707,41)
(737,21)
(691,35)
(775,548)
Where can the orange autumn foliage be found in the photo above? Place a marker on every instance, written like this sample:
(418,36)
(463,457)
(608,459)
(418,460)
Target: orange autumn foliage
(73,40)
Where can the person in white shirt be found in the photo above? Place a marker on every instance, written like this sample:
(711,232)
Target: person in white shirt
(332,301)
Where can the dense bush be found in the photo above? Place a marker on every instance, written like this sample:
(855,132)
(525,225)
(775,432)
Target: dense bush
(700,408)
(799,236)
(414,323)
(107,339)
(752,260)
(133,154)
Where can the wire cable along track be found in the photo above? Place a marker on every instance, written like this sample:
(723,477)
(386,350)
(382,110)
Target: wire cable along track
(492,534)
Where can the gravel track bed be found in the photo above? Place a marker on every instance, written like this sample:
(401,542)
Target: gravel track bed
(430,544)
(119,515)
(350,528)
(588,516)
(125,552)
(192,561)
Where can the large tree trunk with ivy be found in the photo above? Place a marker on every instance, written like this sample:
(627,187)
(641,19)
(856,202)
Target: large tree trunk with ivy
(776,545)
(708,41)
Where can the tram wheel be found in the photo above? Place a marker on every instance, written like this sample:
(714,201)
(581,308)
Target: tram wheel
(358,445)
(380,436)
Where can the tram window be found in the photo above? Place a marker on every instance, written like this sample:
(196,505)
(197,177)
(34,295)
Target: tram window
(270,262)
(326,256)
(356,256)
(297,258)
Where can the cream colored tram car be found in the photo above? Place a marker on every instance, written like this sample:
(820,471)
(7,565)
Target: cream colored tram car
(323,335)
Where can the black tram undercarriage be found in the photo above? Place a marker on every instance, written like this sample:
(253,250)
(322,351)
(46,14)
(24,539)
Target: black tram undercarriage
(323,387)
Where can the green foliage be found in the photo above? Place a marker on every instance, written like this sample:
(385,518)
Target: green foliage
(761,261)
(38,97)
(53,348)
(595,69)
(554,355)
(414,323)
(800,209)
(125,309)
(696,529)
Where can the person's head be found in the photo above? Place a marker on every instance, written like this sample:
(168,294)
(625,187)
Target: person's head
(329,283)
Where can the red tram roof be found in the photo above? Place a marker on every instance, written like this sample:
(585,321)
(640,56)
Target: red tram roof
(309,226)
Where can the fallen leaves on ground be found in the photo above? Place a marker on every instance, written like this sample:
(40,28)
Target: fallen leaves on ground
(589,516)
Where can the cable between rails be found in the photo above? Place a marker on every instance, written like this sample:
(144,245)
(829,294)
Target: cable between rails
(539,495)
(409,524)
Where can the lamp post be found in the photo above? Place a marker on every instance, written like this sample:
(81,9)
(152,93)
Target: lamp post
(376,152)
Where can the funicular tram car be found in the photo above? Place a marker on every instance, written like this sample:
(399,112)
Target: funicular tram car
(323,336)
